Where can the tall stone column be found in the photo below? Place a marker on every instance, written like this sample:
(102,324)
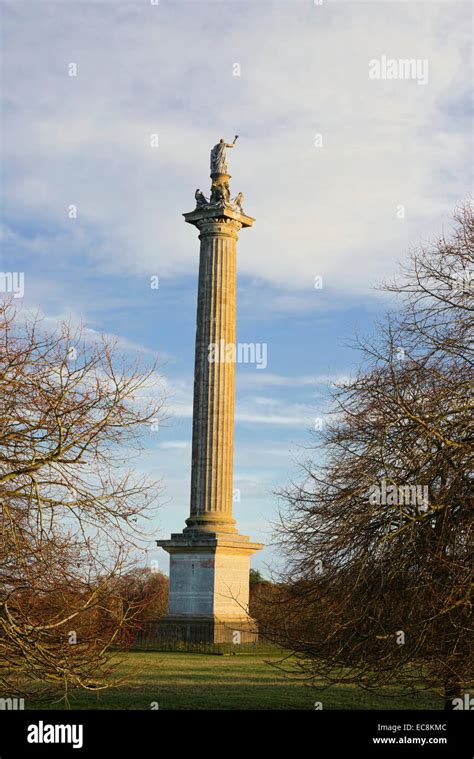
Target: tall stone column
(214,378)
(209,560)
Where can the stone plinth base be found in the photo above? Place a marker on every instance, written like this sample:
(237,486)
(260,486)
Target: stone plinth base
(209,587)
(207,630)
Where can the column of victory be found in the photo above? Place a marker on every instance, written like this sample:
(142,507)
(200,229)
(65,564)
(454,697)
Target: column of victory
(209,559)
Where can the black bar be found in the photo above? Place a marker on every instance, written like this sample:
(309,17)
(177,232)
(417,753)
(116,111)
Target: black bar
(136,733)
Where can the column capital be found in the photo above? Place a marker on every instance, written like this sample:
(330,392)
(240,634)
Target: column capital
(218,227)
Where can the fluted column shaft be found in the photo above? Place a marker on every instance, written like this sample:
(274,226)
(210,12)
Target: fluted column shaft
(214,379)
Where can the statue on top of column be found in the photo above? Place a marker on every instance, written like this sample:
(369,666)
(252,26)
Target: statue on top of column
(218,156)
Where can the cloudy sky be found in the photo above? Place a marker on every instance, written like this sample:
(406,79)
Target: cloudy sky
(342,171)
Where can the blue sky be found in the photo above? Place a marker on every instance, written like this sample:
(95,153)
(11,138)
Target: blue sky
(330,210)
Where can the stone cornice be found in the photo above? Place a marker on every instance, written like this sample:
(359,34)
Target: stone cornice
(218,214)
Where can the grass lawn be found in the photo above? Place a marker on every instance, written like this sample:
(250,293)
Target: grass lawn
(203,681)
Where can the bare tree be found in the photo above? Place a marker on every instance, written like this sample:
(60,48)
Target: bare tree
(71,414)
(377,535)
(147,590)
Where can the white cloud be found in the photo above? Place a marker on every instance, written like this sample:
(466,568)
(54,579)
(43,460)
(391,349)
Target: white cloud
(327,211)
(174,444)
(261,379)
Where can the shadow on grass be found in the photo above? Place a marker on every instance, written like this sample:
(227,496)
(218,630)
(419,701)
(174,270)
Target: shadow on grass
(179,681)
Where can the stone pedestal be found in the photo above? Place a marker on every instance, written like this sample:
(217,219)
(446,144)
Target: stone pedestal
(209,587)
(209,560)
